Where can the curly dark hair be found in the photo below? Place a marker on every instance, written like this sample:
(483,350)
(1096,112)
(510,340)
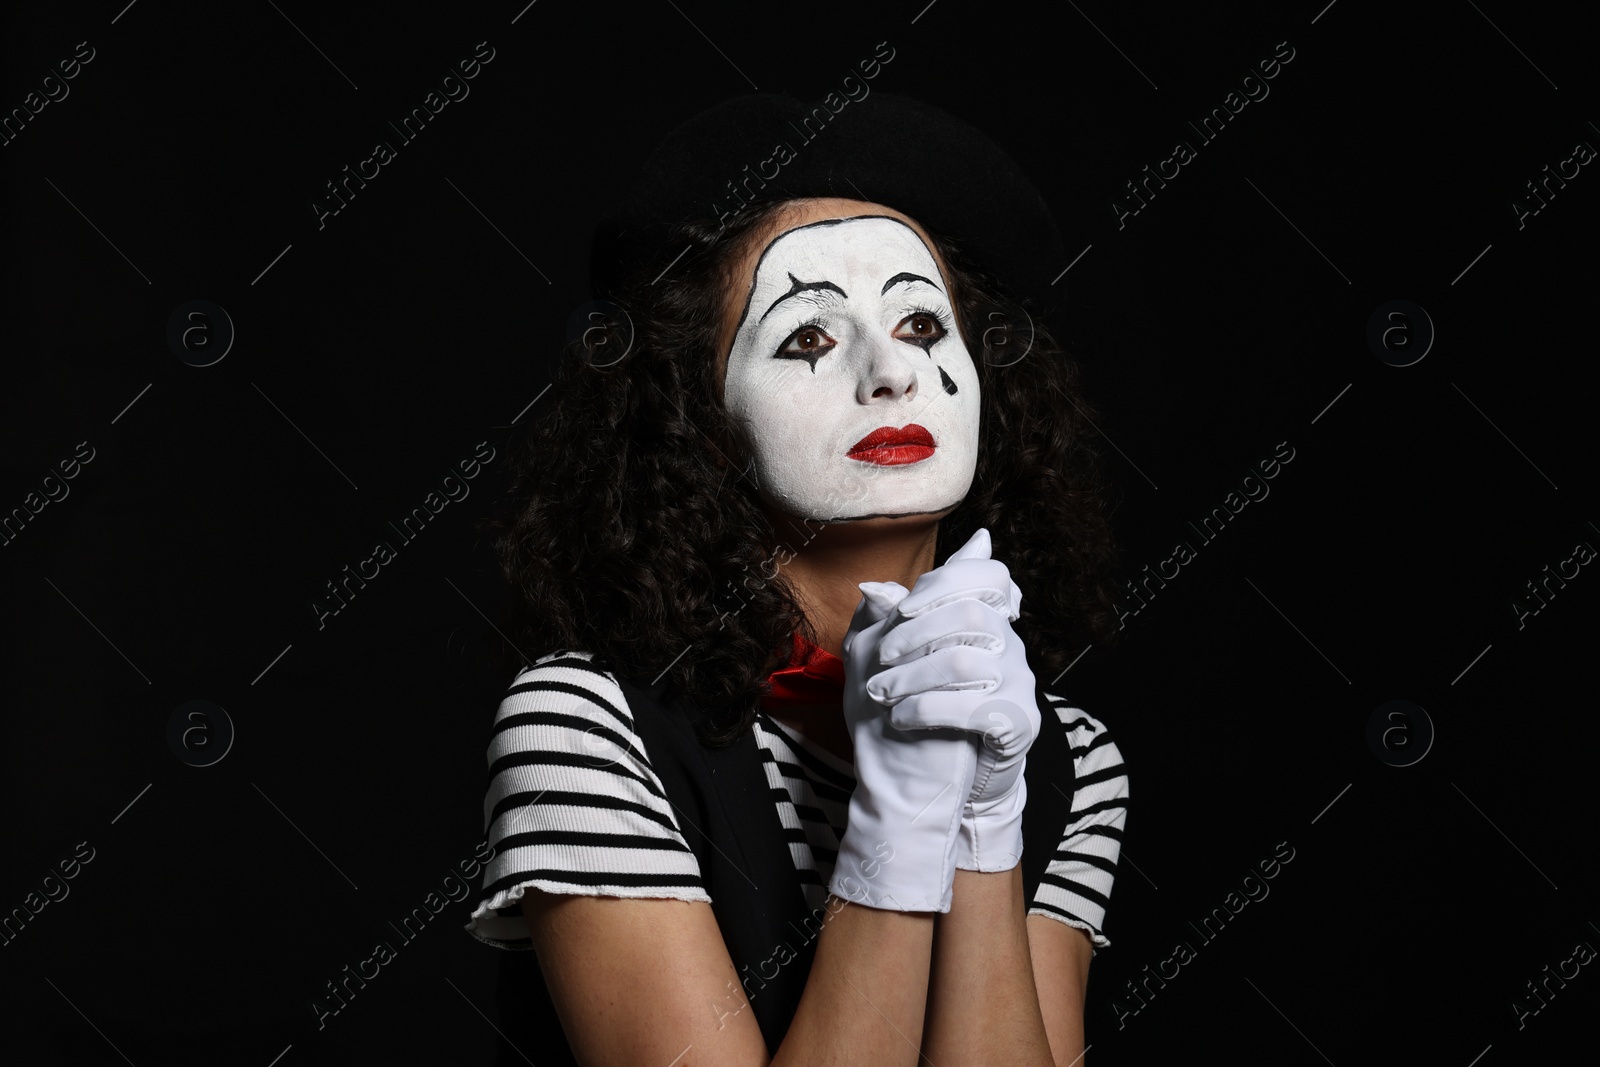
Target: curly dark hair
(631,529)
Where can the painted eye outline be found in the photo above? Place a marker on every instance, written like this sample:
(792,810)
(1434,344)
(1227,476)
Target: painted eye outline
(940,320)
(811,356)
(924,343)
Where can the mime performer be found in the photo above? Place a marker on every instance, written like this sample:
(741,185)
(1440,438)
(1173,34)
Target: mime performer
(800,547)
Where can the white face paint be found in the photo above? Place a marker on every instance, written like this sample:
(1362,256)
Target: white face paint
(849,335)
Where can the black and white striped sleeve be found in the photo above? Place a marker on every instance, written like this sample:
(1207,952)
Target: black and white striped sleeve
(1076,887)
(573,805)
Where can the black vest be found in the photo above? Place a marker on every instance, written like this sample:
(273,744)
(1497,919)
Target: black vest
(729,817)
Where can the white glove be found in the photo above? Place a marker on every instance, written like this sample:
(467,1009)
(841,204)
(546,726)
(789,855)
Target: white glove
(952,659)
(899,846)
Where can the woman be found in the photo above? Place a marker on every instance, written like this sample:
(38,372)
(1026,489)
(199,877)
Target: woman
(771,799)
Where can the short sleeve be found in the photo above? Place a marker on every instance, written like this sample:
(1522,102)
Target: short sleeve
(573,804)
(1076,886)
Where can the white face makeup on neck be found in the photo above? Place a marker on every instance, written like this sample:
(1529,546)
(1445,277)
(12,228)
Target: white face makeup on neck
(848,374)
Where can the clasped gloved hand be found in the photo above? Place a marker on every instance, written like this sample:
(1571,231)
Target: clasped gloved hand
(899,846)
(950,658)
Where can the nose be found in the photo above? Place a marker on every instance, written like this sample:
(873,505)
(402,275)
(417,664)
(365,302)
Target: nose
(887,371)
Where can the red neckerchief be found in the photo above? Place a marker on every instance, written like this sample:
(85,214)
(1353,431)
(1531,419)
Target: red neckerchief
(814,676)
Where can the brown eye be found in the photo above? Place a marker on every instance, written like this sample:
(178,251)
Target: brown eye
(808,339)
(807,342)
(922,329)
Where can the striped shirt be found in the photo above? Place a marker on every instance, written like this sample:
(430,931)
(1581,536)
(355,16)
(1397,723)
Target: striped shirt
(574,807)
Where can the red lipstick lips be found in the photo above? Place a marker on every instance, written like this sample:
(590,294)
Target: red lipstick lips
(889,447)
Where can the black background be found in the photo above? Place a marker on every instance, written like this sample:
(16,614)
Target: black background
(1227,316)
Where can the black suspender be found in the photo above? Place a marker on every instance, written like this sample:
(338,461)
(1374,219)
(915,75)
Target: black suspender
(728,815)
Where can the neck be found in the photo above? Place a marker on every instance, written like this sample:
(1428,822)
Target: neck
(825,572)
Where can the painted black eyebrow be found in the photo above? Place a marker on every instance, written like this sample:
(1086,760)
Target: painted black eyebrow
(744,312)
(798,287)
(904,276)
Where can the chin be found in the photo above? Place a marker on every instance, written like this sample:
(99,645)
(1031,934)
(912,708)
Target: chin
(869,494)
(887,512)
(891,520)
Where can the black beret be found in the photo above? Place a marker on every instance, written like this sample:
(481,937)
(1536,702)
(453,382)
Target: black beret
(885,148)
